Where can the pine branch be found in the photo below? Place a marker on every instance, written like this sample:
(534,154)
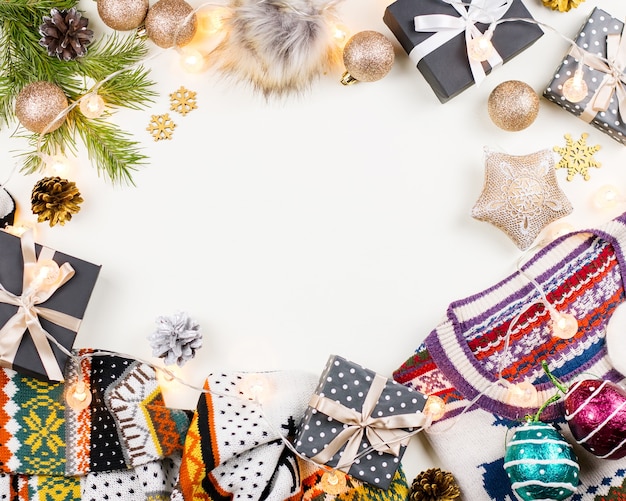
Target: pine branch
(16,9)
(114,61)
(109,55)
(130,89)
(113,151)
(59,141)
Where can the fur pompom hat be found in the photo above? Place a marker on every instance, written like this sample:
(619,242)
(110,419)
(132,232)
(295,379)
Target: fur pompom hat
(278,46)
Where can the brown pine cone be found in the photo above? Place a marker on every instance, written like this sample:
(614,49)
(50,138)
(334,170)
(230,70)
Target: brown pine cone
(64,33)
(562,5)
(434,485)
(55,200)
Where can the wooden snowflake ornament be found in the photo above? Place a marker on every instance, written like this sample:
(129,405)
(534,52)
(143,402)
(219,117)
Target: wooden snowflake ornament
(183,101)
(577,157)
(161,127)
(521,195)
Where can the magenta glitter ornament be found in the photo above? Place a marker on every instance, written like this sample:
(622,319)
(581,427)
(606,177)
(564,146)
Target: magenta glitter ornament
(596,414)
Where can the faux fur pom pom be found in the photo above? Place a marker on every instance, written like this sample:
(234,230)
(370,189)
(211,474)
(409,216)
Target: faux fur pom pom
(279,46)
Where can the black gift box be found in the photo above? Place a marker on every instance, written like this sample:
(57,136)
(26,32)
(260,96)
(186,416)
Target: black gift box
(349,384)
(447,68)
(592,37)
(71,298)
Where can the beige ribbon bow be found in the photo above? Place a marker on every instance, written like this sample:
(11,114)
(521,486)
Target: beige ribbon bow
(28,312)
(614,78)
(383,433)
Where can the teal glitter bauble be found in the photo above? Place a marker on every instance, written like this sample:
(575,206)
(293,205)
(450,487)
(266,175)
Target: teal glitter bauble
(540,463)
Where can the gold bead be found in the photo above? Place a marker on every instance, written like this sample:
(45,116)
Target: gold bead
(513,105)
(167,24)
(122,15)
(368,56)
(38,104)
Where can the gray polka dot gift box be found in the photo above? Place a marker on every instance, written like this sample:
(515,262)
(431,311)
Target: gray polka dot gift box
(589,83)
(359,422)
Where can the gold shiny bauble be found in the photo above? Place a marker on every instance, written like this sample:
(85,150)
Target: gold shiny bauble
(123,15)
(38,104)
(167,24)
(368,56)
(513,105)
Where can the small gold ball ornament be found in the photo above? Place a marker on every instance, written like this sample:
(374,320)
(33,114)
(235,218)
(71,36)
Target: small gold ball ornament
(513,105)
(123,15)
(167,24)
(368,56)
(38,104)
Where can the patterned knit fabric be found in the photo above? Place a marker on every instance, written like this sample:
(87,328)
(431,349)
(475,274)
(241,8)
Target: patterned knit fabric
(127,443)
(582,274)
(234,449)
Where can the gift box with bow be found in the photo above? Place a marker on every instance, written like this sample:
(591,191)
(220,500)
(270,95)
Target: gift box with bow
(436,35)
(238,445)
(43,297)
(360,422)
(600,57)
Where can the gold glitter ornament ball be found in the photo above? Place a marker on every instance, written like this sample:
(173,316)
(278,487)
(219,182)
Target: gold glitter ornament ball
(513,105)
(166,23)
(38,104)
(123,15)
(368,56)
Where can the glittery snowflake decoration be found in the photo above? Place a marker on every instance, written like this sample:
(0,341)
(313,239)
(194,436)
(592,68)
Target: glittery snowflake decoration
(176,339)
(183,101)
(577,157)
(161,127)
(521,195)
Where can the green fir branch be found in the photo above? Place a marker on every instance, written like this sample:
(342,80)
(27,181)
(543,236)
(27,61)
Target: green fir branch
(59,141)
(111,54)
(113,151)
(112,64)
(22,9)
(130,89)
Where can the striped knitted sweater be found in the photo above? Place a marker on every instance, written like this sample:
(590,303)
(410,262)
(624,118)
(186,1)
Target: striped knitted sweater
(581,273)
(126,445)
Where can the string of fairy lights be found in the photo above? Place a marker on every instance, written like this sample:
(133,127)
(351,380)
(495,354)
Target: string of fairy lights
(210,21)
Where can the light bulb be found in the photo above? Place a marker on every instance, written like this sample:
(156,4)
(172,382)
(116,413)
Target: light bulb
(45,272)
(92,105)
(191,60)
(167,377)
(340,34)
(211,21)
(559,229)
(435,407)
(18,229)
(255,387)
(564,325)
(607,197)
(575,88)
(480,48)
(58,164)
(333,482)
(522,394)
(78,396)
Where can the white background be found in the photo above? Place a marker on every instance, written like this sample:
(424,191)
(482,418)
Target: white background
(332,222)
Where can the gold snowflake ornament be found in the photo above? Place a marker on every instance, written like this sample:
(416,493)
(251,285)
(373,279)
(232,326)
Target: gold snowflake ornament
(577,157)
(521,195)
(183,101)
(161,127)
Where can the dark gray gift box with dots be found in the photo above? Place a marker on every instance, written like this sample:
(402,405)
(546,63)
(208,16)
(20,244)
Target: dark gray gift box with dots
(349,385)
(592,38)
